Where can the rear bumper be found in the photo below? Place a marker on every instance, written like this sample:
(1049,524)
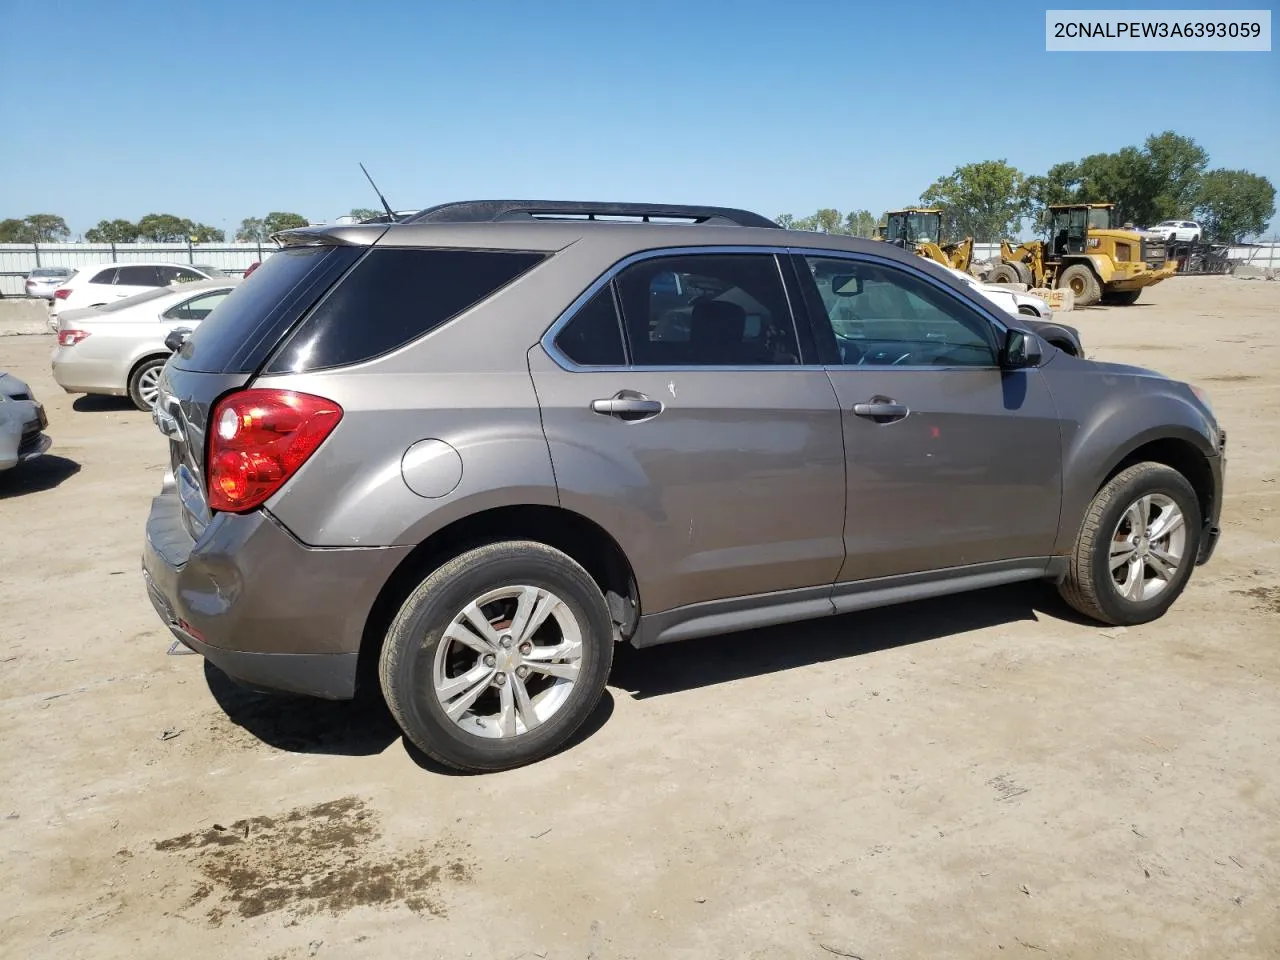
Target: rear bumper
(267,610)
(86,376)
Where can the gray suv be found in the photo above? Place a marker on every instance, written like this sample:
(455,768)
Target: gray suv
(467,453)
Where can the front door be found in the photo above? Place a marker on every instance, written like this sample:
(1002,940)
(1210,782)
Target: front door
(952,461)
(681,419)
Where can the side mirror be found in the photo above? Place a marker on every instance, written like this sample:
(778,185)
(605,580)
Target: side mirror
(176,338)
(1021,349)
(846,285)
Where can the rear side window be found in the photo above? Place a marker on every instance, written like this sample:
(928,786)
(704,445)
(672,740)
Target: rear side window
(138,277)
(251,321)
(394,296)
(593,338)
(105,276)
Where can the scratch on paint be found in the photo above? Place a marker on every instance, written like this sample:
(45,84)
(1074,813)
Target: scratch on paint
(671,388)
(691,531)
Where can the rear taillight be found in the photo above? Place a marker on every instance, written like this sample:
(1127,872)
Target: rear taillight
(258,439)
(62,293)
(69,338)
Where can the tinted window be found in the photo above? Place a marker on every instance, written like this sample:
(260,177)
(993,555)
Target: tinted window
(250,322)
(394,296)
(197,308)
(138,277)
(594,336)
(881,315)
(105,276)
(707,310)
(173,274)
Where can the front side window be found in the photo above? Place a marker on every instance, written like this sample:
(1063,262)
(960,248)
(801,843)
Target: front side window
(883,316)
(707,310)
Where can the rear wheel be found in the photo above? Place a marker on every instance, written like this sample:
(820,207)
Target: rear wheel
(1121,298)
(498,656)
(1136,547)
(1082,282)
(1003,273)
(144,383)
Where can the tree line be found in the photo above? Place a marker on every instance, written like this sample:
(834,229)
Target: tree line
(1167,178)
(155,228)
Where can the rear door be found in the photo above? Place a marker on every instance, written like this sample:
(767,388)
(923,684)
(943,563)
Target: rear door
(952,460)
(685,416)
(135,278)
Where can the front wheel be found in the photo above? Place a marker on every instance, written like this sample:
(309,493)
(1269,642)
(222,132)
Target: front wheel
(498,656)
(1082,282)
(1003,273)
(1136,547)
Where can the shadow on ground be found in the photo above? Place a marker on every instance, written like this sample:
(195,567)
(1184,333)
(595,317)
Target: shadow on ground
(353,728)
(94,403)
(690,664)
(364,726)
(43,473)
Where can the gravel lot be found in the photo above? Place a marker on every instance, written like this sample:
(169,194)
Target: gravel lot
(973,777)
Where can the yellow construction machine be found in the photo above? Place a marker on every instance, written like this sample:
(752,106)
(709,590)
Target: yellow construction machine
(920,229)
(1086,254)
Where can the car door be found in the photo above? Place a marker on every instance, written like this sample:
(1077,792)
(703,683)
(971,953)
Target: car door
(681,418)
(952,460)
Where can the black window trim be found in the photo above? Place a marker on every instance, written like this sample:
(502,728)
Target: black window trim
(779,254)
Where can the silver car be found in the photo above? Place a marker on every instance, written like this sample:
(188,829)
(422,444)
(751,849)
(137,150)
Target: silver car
(42,281)
(119,349)
(22,423)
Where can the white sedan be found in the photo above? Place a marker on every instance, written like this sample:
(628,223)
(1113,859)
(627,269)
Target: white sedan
(1011,301)
(118,349)
(102,283)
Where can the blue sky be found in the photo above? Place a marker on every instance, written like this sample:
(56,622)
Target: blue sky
(218,111)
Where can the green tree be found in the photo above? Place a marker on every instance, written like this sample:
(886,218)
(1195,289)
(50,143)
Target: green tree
(806,223)
(365,213)
(1234,204)
(203,233)
(985,200)
(785,220)
(828,220)
(251,229)
(163,228)
(860,223)
(47,228)
(1176,166)
(112,231)
(276,221)
(13,230)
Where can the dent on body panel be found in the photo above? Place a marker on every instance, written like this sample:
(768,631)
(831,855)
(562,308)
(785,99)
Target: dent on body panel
(354,492)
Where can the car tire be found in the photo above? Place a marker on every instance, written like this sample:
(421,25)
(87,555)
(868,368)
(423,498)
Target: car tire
(142,381)
(1082,282)
(445,692)
(1109,546)
(1002,273)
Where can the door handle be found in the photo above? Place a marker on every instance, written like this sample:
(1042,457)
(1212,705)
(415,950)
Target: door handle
(627,407)
(881,410)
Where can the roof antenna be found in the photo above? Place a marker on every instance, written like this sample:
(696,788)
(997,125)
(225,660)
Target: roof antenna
(385,206)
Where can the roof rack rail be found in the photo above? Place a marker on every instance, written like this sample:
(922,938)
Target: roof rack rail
(473,211)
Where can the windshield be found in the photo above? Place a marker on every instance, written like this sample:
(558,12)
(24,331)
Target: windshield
(1100,218)
(915,227)
(208,270)
(51,272)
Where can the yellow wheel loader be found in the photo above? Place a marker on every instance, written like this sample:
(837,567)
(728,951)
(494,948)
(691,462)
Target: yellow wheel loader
(920,229)
(1086,254)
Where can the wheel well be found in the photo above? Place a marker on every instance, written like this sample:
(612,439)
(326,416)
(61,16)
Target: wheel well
(573,534)
(1027,311)
(1181,456)
(1066,346)
(142,360)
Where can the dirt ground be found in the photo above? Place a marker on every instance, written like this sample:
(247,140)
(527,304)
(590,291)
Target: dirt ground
(983,776)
